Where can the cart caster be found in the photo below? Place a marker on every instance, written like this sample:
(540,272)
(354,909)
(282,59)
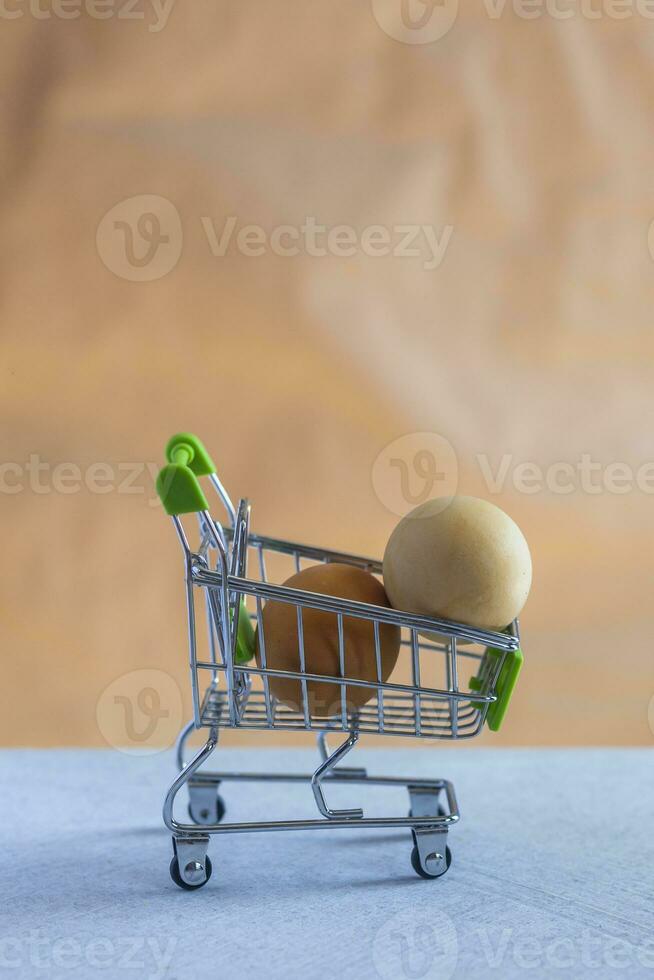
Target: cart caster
(206,805)
(190,867)
(430,857)
(202,814)
(419,870)
(197,869)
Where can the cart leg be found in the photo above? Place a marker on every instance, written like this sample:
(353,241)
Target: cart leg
(206,805)
(425,801)
(181,743)
(354,771)
(186,776)
(323,770)
(190,867)
(431,856)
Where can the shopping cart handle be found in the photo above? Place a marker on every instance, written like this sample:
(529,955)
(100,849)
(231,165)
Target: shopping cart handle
(504,685)
(179,490)
(187,450)
(177,483)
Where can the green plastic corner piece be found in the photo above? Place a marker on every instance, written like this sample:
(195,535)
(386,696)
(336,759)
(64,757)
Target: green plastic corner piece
(179,490)
(505,682)
(245,643)
(187,450)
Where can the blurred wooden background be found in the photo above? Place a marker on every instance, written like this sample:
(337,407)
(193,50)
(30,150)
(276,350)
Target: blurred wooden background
(532,339)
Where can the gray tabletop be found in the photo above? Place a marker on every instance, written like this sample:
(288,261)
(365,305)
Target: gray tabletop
(552,871)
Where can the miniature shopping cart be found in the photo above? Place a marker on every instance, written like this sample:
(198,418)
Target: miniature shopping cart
(449,680)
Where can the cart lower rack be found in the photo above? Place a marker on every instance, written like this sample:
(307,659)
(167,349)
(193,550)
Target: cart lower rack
(451,679)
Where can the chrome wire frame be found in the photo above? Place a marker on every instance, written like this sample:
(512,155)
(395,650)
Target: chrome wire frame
(447,711)
(414,709)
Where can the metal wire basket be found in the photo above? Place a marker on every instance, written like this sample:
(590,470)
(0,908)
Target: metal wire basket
(449,678)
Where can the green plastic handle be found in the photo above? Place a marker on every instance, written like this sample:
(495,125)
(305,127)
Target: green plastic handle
(186,449)
(177,483)
(505,683)
(244,637)
(179,490)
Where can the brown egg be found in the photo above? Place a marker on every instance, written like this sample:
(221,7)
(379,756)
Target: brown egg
(320,631)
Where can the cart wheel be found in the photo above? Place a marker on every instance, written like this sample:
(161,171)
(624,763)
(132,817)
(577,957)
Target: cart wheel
(202,815)
(415,862)
(177,878)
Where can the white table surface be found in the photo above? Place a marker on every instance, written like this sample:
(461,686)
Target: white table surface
(553,871)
